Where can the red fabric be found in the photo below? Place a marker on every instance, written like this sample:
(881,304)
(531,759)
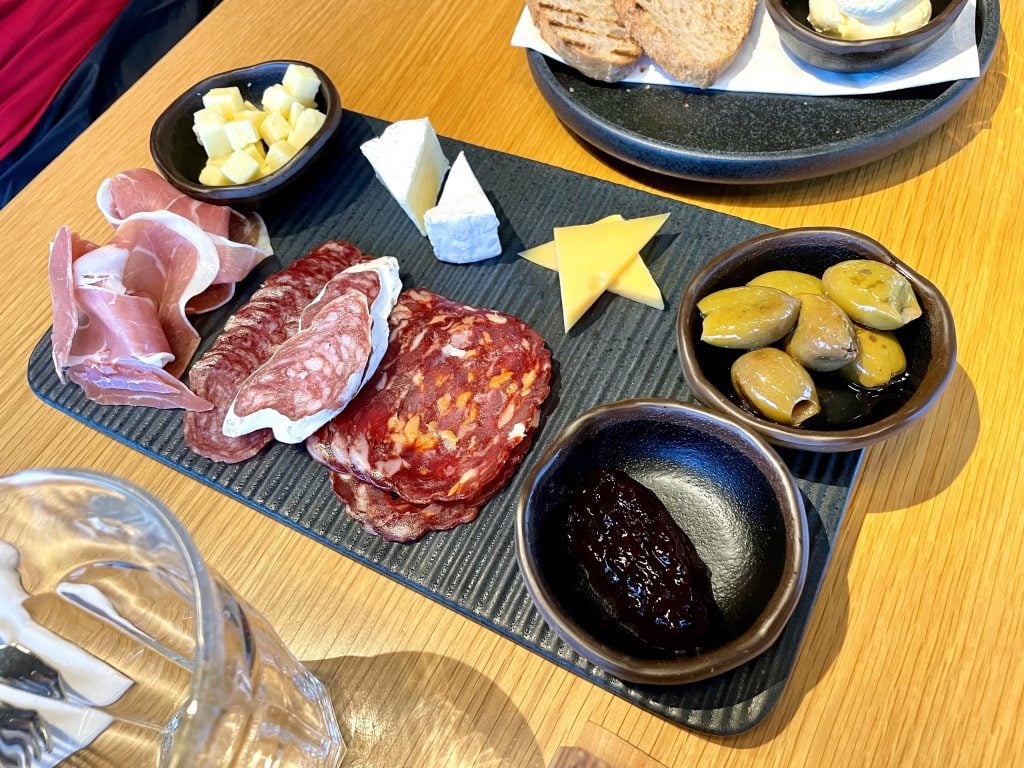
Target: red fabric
(41,43)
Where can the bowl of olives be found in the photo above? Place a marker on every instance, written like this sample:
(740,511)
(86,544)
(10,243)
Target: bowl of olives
(818,338)
(663,541)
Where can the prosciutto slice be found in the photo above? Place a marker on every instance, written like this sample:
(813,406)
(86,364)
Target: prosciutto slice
(130,382)
(65,248)
(241,240)
(171,260)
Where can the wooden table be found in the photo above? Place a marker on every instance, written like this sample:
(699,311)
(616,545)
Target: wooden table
(913,655)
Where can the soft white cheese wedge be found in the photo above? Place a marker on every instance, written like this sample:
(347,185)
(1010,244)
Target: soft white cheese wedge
(288,430)
(463,227)
(408,160)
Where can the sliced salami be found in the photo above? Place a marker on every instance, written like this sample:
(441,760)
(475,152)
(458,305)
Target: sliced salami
(248,340)
(314,374)
(458,390)
(391,517)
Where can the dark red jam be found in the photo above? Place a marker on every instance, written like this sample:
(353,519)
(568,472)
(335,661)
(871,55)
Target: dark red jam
(641,568)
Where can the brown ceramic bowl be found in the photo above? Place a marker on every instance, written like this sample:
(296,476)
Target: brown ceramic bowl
(850,418)
(180,157)
(724,486)
(799,37)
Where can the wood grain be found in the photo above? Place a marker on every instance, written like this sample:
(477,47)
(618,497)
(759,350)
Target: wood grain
(913,654)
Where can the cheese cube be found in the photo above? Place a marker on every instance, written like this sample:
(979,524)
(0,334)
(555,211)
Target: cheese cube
(277,99)
(212,176)
(240,133)
(294,111)
(254,116)
(302,83)
(208,126)
(274,128)
(306,127)
(256,152)
(248,106)
(240,167)
(219,98)
(280,152)
(218,161)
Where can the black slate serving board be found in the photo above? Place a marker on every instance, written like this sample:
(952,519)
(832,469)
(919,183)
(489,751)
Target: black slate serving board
(619,350)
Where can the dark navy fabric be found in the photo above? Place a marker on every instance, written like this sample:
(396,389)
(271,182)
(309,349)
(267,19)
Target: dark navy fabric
(140,35)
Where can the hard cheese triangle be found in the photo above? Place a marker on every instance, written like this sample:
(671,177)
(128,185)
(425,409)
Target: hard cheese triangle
(634,283)
(591,256)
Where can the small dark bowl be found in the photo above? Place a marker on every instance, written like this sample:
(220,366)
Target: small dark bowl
(800,38)
(725,487)
(850,419)
(180,157)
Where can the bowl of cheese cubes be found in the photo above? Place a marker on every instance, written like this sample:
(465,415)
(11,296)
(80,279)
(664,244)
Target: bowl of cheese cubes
(240,136)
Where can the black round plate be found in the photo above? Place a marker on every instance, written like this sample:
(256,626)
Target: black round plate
(741,138)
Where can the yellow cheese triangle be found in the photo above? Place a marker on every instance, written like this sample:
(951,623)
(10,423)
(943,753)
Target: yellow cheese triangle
(591,256)
(634,283)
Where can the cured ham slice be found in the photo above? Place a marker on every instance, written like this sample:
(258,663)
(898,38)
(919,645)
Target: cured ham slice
(65,248)
(130,382)
(313,375)
(248,340)
(241,240)
(171,260)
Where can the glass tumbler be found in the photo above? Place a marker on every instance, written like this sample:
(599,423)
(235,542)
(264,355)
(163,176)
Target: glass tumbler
(157,661)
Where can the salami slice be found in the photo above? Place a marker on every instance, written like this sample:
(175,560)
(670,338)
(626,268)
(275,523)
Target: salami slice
(391,517)
(458,390)
(313,375)
(248,340)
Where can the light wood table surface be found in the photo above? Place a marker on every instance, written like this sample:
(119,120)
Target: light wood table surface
(914,652)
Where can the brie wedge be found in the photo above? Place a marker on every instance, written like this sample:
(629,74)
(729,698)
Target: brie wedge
(463,227)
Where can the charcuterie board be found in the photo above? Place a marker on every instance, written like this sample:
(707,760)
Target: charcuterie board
(619,350)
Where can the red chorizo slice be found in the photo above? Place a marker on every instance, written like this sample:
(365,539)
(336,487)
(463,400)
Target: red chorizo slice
(458,390)
(248,340)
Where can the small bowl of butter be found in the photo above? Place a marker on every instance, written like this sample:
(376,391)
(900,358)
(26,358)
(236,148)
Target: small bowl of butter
(240,136)
(861,35)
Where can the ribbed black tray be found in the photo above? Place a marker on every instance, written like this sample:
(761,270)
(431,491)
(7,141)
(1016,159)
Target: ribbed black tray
(619,350)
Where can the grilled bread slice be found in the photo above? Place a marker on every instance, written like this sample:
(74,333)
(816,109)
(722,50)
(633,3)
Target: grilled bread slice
(588,35)
(693,40)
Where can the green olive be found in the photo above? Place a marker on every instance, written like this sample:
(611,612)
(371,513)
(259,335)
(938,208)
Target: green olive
(872,294)
(775,385)
(824,339)
(880,359)
(747,317)
(789,281)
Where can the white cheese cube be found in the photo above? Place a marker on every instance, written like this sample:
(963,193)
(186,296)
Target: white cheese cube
(302,83)
(274,128)
(463,227)
(218,161)
(306,127)
(256,152)
(294,111)
(240,133)
(280,152)
(408,160)
(240,167)
(254,116)
(277,99)
(220,98)
(212,176)
(209,129)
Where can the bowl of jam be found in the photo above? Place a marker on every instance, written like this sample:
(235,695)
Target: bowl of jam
(662,541)
(846,415)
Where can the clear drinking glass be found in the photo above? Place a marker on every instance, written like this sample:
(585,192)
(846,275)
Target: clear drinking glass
(161,663)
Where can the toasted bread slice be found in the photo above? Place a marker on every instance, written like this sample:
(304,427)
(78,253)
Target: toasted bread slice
(694,41)
(588,35)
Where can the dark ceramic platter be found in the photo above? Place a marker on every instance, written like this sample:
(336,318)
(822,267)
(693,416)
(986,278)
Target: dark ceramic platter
(620,350)
(742,138)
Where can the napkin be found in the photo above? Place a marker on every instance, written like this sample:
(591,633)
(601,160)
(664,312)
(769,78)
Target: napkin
(764,65)
(87,680)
